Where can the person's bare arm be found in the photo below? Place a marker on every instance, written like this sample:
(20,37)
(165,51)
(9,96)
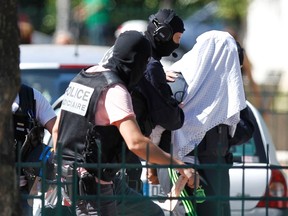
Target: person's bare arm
(49,125)
(55,133)
(145,149)
(139,144)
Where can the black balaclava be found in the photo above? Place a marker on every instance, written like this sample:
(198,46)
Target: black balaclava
(160,48)
(130,56)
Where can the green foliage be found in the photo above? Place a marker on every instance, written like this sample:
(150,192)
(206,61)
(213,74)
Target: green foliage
(44,17)
(233,10)
(49,19)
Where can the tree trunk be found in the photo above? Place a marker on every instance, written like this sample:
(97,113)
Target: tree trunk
(9,85)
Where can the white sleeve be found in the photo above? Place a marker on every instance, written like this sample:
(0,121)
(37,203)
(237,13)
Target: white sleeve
(44,111)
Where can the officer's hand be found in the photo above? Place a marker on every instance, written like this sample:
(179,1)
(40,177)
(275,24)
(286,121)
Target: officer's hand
(194,180)
(171,76)
(152,176)
(192,175)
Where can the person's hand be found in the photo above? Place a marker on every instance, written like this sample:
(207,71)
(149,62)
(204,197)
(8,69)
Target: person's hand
(194,181)
(152,176)
(171,76)
(178,186)
(170,204)
(192,175)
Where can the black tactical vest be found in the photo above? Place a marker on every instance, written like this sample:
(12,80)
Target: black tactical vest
(23,117)
(73,127)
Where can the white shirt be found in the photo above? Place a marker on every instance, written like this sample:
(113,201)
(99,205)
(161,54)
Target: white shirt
(44,111)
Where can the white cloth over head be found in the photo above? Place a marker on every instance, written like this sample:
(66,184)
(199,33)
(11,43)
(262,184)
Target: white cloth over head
(215,93)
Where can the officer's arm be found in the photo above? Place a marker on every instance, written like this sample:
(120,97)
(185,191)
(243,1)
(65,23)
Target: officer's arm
(55,132)
(145,149)
(49,125)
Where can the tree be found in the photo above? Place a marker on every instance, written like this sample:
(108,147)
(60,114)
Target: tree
(9,84)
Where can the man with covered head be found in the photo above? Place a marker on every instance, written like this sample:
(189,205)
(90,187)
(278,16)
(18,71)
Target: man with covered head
(212,102)
(97,123)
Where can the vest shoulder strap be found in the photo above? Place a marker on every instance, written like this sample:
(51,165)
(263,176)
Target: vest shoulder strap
(26,100)
(111,78)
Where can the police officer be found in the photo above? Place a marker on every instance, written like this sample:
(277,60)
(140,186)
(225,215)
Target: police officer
(29,108)
(99,97)
(164,32)
(152,98)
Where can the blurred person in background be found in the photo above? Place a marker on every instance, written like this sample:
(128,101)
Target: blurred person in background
(94,14)
(25,29)
(63,37)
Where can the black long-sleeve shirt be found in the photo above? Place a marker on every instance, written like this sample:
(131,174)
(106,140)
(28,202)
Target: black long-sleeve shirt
(153,102)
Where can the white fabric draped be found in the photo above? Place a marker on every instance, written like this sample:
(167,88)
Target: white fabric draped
(215,93)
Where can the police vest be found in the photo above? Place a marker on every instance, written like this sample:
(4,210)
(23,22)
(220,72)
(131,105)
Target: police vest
(23,117)
(23,121)
(78,118)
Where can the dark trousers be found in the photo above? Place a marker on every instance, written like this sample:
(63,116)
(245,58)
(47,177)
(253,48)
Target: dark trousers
(94,206)
(212,151)
(134,174)
(115,199)
(212,155)
(132,203)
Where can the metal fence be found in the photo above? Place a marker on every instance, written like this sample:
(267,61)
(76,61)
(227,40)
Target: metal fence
(50,195)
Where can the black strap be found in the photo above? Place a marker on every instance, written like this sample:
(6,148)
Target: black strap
(26,100)
(111,79)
